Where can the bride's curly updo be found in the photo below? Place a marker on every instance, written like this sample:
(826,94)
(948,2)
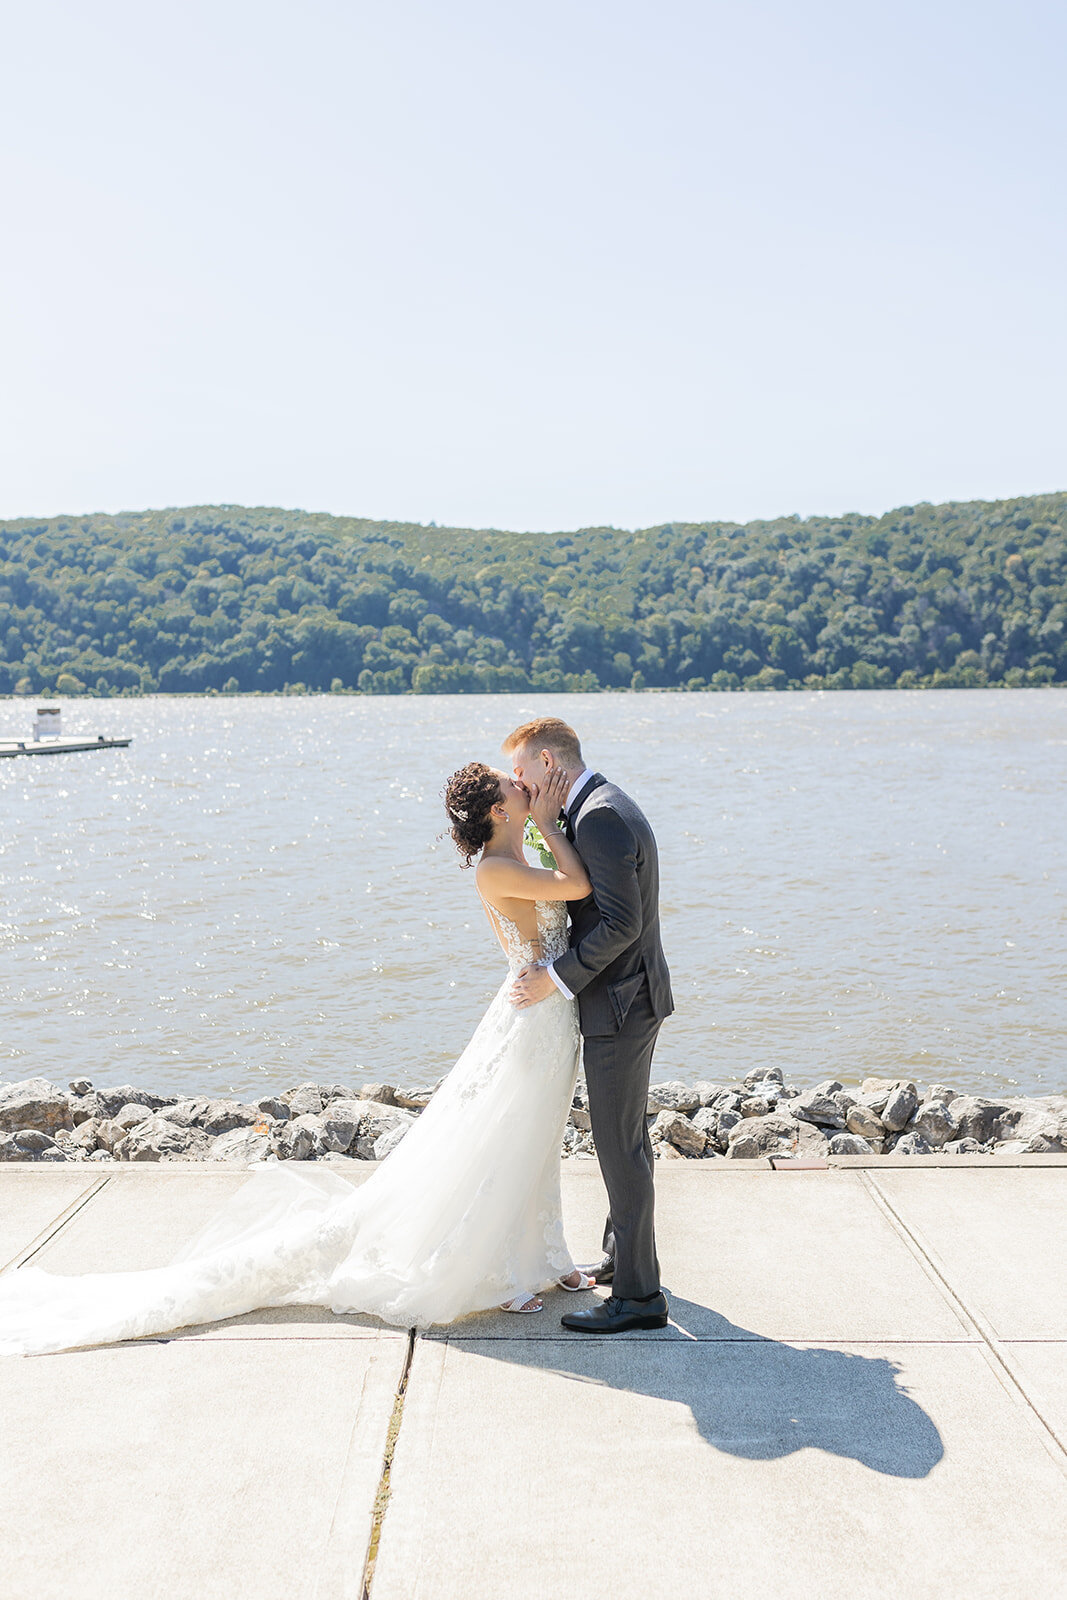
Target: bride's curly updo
(469,796)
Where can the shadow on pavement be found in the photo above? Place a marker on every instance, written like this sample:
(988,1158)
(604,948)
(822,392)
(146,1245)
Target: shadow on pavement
(749,1396)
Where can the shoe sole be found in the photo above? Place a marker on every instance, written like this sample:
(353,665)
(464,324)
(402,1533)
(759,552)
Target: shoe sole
(642,1325)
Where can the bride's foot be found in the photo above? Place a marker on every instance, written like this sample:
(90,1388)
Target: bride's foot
(525,1303)
(576,1280)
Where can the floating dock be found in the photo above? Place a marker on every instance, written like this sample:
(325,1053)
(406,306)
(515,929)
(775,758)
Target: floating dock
(58,747)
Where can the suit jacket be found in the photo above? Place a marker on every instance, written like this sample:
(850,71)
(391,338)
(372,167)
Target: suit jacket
(614,935)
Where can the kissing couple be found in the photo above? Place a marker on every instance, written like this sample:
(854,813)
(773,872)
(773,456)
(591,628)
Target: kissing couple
(464,1215)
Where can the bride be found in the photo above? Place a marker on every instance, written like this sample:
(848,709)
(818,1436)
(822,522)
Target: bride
(464,1215)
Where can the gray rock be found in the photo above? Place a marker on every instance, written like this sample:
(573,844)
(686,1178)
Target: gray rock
(580,1118)
(706,1121)
(977,1118)
(272,1106)
(708,1093)
(34,1103)
(764,1075)
(376,1120)
(1012,1147)
(157,1138)
(33,1139)
(680,1132)
(810,1140)
(939,1091)
(80,1085)
(901,1105)
(912,1144)
(963,1147)
(823,1105)
(210,1116)
(571,1138)
(383,1094)
(672,1097)
(240,1145)
(84,1136)
(29,1144)
(108,1133)
(757,1105)
(299,1139)
(1041,1144)
(863,1121)
(935,1122)
(1040,1120)
(101,1155)
(108,1102)
(725,1123)
(849,1144)
(388,1141)
(305,1100)
(130,1115)
(665,1151)
(339,1124)
(788,1091)
(576,1143)
(776,1134)
(752,1140)
(874,1092)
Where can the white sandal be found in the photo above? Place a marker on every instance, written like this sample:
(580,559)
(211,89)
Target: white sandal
(583,1283)
(522,1304)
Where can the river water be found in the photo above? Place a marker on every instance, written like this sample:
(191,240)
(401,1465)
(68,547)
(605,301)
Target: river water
(256,891)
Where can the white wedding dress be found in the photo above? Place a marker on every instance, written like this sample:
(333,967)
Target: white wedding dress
(463,1215)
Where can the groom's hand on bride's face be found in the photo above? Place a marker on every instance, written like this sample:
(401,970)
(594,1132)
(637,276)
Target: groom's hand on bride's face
(531,985)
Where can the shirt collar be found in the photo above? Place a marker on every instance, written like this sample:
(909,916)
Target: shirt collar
(584,777)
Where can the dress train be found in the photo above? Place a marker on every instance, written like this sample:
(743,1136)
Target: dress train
(461,1216)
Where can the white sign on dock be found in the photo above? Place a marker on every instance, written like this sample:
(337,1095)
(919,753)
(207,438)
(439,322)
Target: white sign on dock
(49,723)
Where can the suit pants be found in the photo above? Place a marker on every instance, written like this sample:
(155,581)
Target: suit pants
(617,1068)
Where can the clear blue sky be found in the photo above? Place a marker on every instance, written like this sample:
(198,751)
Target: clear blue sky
(532,266)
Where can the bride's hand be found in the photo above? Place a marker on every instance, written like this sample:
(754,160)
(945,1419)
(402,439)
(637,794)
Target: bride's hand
(547,797)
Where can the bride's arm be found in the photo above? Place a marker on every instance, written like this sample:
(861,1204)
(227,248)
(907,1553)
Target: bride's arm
(503,880)
(499,877)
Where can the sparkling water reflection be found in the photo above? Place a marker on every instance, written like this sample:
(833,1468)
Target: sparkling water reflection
(255,892)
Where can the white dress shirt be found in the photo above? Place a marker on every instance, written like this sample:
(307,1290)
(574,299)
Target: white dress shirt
(584,778)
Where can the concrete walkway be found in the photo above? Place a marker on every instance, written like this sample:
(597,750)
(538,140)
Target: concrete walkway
(863,1392)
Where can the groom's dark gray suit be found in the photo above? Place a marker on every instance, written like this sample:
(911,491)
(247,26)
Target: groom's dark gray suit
(616,968)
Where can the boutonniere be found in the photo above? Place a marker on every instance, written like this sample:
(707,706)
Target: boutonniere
(537,842)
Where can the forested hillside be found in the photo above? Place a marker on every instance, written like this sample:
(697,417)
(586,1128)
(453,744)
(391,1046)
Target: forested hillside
(225,598)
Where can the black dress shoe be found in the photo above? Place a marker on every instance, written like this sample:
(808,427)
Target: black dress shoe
(618,1316)
(603,1272)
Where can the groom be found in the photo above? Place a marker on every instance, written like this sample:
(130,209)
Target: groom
(615,966)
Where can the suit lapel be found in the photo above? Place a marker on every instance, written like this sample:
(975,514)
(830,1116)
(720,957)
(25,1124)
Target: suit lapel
(596,782)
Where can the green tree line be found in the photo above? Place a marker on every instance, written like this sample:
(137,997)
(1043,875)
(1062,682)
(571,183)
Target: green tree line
(227,599)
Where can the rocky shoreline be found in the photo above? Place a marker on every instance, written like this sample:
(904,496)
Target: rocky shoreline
(764,1116)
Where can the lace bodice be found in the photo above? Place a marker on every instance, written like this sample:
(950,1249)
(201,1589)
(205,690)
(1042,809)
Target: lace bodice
(551,928)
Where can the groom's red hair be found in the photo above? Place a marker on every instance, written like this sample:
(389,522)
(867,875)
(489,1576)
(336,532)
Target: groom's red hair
(547,733)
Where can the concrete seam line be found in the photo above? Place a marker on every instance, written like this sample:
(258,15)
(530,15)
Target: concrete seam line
(381,1498)
(56,1225)
(991,1344)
